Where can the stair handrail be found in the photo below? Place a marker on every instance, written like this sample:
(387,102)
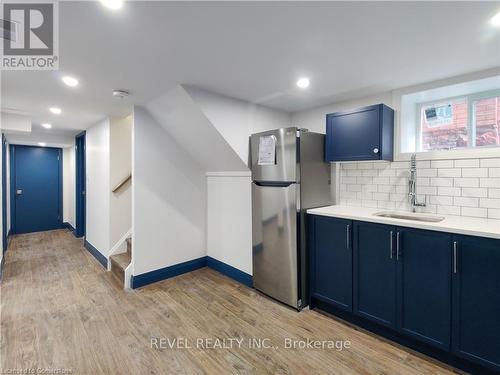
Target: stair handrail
(123,182)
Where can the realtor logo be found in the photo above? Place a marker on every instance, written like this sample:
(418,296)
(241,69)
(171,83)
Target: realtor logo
(30,40)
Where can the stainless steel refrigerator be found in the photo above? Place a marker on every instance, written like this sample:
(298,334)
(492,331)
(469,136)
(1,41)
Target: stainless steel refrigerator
(289,175)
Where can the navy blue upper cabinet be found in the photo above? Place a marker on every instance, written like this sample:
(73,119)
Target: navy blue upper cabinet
(375,273)
(424,285)
(476,300)
(331,261)
(361,134)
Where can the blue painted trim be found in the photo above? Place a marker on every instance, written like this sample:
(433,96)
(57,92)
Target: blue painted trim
(230,271)
(2,262)
(97,254)
(4,194)
(167,272)
(80,185)
(68,226)
(191,265)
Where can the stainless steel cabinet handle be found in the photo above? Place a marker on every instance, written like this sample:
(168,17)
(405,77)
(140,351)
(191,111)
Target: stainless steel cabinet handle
(347,236)
(454,256)
(391,241)
(397,245)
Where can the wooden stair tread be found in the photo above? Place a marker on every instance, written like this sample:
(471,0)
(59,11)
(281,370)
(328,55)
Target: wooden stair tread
(122,260)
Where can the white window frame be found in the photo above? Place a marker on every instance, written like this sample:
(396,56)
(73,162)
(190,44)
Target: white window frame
(471,124)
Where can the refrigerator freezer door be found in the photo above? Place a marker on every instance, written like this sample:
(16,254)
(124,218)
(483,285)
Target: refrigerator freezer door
(285,167)
(274,241)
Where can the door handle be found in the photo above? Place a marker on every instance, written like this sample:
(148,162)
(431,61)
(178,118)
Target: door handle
(391,242)
(19,192)
(455,257)
(397,246)
(348,236)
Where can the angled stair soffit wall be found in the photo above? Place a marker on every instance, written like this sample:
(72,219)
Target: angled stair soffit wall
(188,125)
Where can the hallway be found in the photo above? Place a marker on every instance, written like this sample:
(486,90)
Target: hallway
(61,310)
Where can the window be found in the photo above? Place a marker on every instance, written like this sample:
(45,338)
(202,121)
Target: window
(467,121)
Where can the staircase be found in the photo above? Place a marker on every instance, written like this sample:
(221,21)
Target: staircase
(121,261)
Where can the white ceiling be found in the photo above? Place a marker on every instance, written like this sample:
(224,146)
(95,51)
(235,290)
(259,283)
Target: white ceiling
(253,51)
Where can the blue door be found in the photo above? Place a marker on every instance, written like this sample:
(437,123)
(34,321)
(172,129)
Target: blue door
(4,193)
(36,188)
(375,273)
(80,198)
(424,286)
(331,261)
(476,300)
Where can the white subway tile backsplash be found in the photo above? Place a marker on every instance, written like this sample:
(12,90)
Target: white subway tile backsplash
(441,200)
(386,189)
(466,201)
(466,182)
(381,196)
(450,172)
(381,180)
(490,163)
(441,181)
(354,187)
(451,191)
(475,192)
(469,187)
(442,164)
(494,193)
(493,213)
(467,163)
(490,182)
(493,172)
(474,212)
(489,203)
(429,172)
(475,172)
(448,210)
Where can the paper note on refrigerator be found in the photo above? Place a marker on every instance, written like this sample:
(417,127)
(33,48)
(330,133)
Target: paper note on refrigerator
(267,150)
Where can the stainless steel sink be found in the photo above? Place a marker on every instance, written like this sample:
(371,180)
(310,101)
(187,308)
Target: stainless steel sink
(409,216)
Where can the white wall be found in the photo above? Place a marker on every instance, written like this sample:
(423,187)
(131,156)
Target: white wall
(120,167)
(10,122)
(236,120)
(69,185)
(315,119)
(168,198)
(229,220)
(98,186)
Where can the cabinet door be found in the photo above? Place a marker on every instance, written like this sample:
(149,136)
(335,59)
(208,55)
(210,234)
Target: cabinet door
(331,261)
(424,285)
(375,273)
(353,135)
(476,300)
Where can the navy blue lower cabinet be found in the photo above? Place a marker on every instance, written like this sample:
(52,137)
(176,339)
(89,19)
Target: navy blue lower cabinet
(476,300)
(424,285)
(375,273)
(331,261)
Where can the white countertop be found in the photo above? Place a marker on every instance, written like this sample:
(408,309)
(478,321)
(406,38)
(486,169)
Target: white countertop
(452,224)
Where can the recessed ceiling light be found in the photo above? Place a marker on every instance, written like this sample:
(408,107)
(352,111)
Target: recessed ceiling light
(43,144)
(70,81)
(112,4)
(303,83)
(55,110)
(47,126)
(495,20)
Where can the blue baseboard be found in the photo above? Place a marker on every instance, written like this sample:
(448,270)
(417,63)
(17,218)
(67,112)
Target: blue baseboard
(167,272)
(2,262)
(69,226)
(230,271)
(191,265)
(97,254)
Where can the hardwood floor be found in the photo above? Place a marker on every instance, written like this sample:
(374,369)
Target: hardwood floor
(61,310)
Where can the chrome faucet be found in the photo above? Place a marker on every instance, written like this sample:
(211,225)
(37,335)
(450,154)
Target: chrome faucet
(412,185)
